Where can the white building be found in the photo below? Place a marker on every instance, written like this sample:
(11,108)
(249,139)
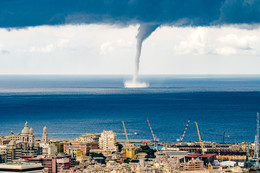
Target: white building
(45,135)
(107,141)
(48,149)
(26,136)
(21,167)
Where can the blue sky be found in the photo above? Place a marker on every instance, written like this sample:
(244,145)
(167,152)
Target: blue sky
(99,36)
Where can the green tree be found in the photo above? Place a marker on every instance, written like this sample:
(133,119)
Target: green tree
(148,150)
(93,154)
(119,146)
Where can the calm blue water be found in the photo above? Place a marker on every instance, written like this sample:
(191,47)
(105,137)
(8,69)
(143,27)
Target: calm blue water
(72,105)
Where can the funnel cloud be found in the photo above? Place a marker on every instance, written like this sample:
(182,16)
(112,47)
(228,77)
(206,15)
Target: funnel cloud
(144,31)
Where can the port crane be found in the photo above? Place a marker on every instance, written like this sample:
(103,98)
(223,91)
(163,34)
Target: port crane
(201,143)
(126,136)
(129,148)
(182,136)
(154,137)
(225,136)
(256,152)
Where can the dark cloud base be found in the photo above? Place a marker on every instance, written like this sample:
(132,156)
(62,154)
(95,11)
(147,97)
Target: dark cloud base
(23,13)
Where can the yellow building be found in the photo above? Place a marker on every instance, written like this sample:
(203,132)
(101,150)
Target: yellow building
(81,157)
(15,137)
(130,151)
(88,137)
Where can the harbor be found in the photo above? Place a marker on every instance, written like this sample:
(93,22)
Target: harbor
(106,153)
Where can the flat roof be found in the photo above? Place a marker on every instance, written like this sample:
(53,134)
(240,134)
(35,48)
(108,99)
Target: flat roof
(20,166)
(208,155)
(193,155)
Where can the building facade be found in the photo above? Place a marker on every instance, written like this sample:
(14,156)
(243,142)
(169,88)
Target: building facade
(48,149)
(26,135)
(21,144)
(193,165)
(16,150)
(74,146)
(107,141)
(54,164)
(21,167)
(88,137)
(45,135)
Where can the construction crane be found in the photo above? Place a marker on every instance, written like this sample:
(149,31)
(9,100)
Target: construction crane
(201,143)
(248,151)
(126,136)
(257,142)
(225,136)
(154,137)
(182,136)
(129,148)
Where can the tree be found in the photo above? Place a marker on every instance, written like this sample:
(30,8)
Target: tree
(148,150)
(93,154)
(119,146)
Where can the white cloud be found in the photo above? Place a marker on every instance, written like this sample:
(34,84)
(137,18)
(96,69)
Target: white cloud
(106,47)
(196,44)
(46,49)
(232,44)
(225,51)
(63,42)
(103,49)
(2,50)
(109,46)
(204,40)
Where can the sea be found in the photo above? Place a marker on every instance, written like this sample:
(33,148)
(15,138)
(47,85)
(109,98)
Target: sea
(71,105)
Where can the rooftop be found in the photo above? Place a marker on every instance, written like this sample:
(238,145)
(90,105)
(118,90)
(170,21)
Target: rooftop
(20,165)
(208,155)
(194,155)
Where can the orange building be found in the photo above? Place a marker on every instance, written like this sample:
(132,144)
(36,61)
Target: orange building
(231,158)
(72,147)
